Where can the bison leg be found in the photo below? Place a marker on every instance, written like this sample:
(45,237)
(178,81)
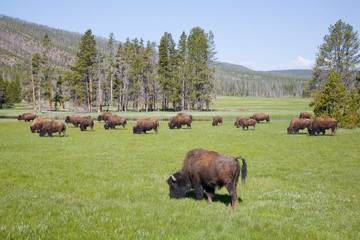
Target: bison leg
(199,191)
(210,195)
(233,195)
(156,130)
(50,134)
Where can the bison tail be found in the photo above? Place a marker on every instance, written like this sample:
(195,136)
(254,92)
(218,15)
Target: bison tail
(243,170)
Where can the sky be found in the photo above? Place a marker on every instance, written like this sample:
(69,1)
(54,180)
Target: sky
(261,35)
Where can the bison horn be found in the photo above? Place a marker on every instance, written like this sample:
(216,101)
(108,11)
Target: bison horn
(173,178)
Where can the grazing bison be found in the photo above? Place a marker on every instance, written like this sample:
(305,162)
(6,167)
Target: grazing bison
(27,117)
(305,115)
(38,124)
(86,122)
(237,121)
(112,121)
(320,124)
(206,170)
(52,127)
(245,123)
(217,120)
(260,117)
(105,116)
(74,119)
(297,124)
(143,125)
(179,120)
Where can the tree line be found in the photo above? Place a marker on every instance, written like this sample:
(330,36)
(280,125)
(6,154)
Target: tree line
(131,74)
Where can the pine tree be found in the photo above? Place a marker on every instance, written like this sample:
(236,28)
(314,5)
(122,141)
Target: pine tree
(182,52)
(340,51)
(111,65)
(13,92)
(47,85)
(2,91)
(331,100)
(59,97)
(37,65)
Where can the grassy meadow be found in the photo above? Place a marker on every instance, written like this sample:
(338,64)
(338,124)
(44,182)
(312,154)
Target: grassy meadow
(112,184)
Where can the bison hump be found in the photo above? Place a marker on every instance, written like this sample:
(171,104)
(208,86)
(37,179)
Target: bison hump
(208,157)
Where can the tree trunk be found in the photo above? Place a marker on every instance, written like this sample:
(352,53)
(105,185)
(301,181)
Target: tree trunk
(91,92)
(100,92)
(33,87)
(111,90)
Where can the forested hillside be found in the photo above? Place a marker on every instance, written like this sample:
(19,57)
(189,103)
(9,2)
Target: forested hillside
(21,40)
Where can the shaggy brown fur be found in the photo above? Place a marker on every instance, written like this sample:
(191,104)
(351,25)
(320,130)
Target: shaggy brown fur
(260,117)
(143,125)
(74,119)
(320,124)
(297,124)
(86,122)
(206,170)
(38,124)
(179,120)
(305,115)
(245,123)
(237,121)
(52,127)
(105,116)
(113,121)
(217,120)
(27,117)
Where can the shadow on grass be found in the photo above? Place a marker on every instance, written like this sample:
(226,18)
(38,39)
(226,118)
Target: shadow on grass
(223,198)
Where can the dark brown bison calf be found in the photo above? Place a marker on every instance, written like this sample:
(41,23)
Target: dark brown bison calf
(143,125)
(86,122)
(320,124)
(27,117)
(38,124)
(245,123)
(260,117)
(52,127)
(207,170)
(297,124)
(217,120)
(113,121)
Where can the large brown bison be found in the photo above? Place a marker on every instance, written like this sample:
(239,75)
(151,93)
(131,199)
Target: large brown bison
(38,124)
(27,117)
(86,122)
(297,124)
(207,170)
(245,123)
(52,127)
(217,120)
(305,115)
(179,120)
(74,119)
(143,125)
(104,116)
(260,117)
(112,121)
(237,121)
(320,124)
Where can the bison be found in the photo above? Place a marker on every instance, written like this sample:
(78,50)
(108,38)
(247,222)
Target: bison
(179,120)
(38,124)
(320,124)
(86,122)
(74,119)
(245,123)
(27,117)
(237,121)
(113,121)
(297,124)
(52,127)
(260,117)
(143,125)
(206,170)
(305,115)
(217,120)
(105,116)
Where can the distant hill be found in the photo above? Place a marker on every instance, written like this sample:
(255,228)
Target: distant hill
(19,40)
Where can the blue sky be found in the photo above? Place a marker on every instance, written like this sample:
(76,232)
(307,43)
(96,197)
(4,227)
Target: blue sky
(262,35)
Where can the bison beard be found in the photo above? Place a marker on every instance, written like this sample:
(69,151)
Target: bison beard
(206,170)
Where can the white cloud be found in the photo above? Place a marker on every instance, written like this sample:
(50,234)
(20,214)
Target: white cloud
(299,63)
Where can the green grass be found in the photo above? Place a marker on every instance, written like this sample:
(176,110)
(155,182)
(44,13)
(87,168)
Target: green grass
(112,184)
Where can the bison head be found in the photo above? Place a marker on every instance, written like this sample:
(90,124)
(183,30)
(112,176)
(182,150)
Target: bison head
(136,130)
(171,125)
(177,185)
(19,117)
(32,128)
(106,126)
(67,119)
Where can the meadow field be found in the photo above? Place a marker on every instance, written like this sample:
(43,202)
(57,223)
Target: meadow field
(111,184)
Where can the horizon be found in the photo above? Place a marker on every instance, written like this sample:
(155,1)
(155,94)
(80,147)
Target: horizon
(262,36)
